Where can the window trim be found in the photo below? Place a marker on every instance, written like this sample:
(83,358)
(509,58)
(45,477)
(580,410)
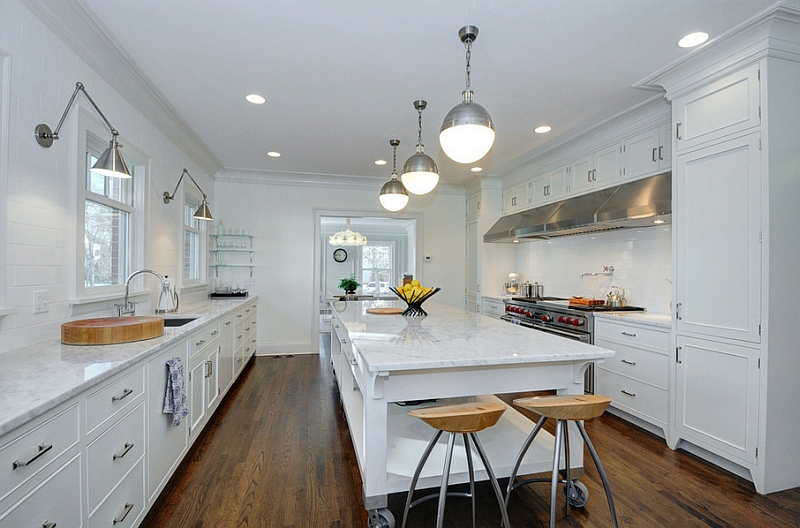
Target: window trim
(5,112)
(139,163)
(202,260)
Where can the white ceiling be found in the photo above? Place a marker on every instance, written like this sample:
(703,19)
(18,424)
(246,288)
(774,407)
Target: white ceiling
(340,78)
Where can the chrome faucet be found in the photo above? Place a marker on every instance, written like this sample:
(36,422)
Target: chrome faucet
(607,270)
(128,307)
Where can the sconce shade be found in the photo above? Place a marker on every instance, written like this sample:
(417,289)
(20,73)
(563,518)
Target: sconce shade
(111,162)
(203,213)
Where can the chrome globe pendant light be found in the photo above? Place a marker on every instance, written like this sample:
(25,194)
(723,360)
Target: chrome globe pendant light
(420,173)
(393,195)
(467,133)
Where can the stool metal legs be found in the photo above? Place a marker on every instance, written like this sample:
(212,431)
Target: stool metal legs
(601,471)
(443,493)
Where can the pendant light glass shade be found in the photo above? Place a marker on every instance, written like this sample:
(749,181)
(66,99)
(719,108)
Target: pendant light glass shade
(394,196)
(467,132)
(347,238)
(420,173)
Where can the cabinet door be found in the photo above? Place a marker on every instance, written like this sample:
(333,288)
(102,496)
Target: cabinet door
(473,267)
(717,215)
(212,379)
(473,205)
(606,165)
(581,170)
(165,441)
(558,184)
(509,200)
(724,107)
(716,396)
(539,189)
(226,349)
(197,396)
(642,154)
(665,147)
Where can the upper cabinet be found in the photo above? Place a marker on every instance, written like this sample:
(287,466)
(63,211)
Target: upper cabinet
(517,198)
(550,186)
(648,153)
(599,170)
(729,105)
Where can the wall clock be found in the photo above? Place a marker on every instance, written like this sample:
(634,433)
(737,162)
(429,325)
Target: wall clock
(339,255)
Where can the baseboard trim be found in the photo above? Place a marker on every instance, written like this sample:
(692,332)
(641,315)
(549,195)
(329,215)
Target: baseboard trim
(288,347)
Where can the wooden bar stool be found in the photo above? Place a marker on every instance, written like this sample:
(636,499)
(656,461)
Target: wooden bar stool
(465,419)
(564,409)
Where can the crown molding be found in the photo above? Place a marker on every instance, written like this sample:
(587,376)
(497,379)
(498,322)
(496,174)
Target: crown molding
(80,29)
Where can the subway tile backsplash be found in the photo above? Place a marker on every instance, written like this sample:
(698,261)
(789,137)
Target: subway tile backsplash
(642,260)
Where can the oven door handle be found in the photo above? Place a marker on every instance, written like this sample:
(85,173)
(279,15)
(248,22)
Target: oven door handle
(565,333)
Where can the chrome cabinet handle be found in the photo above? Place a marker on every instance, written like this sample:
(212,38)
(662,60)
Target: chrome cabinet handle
(125,394)
(239,336)
(215,332)
(654,154)
(589,176)
(628,334)
(227,323)
(200,342)
(678,131)
(677,355)
(631,394)
(660,152)
(628,362)
(678,312)
(48,524)
(128,508)
(128,447)
(43,448)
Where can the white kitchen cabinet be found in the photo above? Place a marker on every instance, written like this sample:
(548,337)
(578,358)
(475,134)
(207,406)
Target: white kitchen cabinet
(648,153)
(473,205)
(165,441)
(724,107)
(202,379)
(716,396)
(551,186)
(637,377)
(493,308)
(473,287)
(226,354)
(517,198)
(597,171)
(125,505)
(718,250)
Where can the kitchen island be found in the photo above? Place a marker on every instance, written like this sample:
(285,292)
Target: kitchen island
(387,364)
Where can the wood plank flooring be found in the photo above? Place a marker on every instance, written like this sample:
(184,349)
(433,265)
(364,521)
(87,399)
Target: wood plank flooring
(278,455)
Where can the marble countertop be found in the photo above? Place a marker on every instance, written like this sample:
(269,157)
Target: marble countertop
(651,319)
(39,377)
(450,337)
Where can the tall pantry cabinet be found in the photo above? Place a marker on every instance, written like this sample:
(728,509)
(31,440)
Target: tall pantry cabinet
(736,183)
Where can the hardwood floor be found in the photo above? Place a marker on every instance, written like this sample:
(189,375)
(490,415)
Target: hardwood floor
(278,455)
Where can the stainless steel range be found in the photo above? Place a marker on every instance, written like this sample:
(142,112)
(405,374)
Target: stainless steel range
(557,316)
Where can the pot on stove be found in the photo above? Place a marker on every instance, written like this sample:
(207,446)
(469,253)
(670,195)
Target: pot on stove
(526,289)
(616,299)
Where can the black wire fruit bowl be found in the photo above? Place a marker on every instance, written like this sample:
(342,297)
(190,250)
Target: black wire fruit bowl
(414,300)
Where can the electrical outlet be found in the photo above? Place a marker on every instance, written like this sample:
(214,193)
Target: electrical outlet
(40,302)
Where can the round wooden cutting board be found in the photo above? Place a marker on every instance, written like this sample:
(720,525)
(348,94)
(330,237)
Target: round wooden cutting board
(111,330)
(385,311)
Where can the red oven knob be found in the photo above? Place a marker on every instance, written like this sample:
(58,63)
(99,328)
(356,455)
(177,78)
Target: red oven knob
(528,315)
(577,322)
(509,308)
(546,318)
(568,320)
(561,319)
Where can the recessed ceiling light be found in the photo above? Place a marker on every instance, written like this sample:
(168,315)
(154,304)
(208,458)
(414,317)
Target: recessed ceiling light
(255,99)
(380,162)
(476,169)
(693,39)
(659,221)
(544,129)
(273,154)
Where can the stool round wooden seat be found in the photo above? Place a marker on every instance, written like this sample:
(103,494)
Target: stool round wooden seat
(564,409)
(465,419)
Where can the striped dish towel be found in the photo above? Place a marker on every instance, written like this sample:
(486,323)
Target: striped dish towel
(175,397)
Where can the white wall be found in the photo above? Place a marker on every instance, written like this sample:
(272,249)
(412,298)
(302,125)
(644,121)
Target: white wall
(282,219)
(642,260)
(40,236)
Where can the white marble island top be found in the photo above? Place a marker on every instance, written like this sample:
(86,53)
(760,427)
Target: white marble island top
(450,337)
(39,377)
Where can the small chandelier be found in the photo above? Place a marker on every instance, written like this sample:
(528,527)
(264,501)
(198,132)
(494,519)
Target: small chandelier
(347,238)
(467,133)
(420,173)
(393,195)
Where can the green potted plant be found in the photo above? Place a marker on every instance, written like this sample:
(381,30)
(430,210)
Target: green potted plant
(349,285)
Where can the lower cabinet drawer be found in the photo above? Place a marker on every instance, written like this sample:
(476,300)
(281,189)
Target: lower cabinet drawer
(29,453)
(113,454)
(113,398)
(637,363)
(125,504)
(640,399)
(55,502)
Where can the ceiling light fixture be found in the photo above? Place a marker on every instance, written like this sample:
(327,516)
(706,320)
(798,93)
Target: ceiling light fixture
(380,162)
(255,99)
(467,133)
(202,213)
(347,238)
(420,173)
(110,162)
(544,129)
(273,154)
(393,195)
(693,39)
(476,169)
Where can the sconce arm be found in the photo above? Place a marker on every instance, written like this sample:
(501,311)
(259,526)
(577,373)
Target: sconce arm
(169,197)
(45,137)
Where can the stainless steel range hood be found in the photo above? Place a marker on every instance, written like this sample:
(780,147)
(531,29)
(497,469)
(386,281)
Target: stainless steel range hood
(636,204)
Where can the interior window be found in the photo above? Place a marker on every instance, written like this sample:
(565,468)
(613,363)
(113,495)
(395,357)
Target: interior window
(193,240)
(377,270)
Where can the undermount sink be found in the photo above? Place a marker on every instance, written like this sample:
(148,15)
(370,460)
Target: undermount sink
(178,321)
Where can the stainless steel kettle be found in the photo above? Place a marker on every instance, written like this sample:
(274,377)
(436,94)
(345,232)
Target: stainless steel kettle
(616,298)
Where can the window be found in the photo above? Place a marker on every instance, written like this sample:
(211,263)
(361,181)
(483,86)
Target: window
(194,240)
(109,212)
(376,267)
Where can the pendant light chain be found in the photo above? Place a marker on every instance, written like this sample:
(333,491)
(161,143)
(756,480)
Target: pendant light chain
(419,138)
(468,44)
(394,161)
